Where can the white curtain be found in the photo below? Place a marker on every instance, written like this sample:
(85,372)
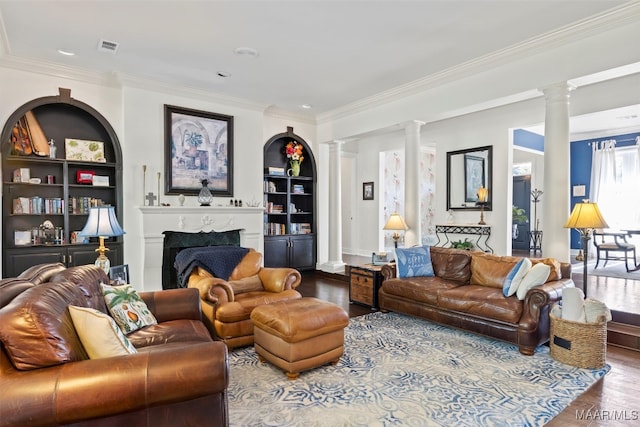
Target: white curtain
(615,173)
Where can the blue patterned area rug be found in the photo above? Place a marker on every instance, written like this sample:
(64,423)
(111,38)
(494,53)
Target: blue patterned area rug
(398,370)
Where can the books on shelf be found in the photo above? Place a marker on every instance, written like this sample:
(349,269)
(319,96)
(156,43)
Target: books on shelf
(297,189)
(276,171)
(38,206)
(274,229)
(301,228)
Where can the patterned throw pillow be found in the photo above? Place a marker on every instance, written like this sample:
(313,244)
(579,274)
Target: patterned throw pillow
(414,262)
(99,334)
(127,308)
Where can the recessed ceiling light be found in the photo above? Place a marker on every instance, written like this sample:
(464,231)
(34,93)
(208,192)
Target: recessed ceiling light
(223,74)
(246,51)
(65,52)
(306,106)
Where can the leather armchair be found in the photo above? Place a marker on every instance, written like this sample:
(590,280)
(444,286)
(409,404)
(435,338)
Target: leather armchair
(227,304)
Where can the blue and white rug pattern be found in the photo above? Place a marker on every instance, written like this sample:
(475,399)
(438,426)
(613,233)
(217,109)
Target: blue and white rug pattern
(398,370)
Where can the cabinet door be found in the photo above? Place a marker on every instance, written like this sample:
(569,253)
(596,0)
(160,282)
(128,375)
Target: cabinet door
(303,252)
(276,251)
(17,261)
(86,254)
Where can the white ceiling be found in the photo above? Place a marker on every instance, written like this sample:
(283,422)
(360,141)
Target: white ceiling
(324,53)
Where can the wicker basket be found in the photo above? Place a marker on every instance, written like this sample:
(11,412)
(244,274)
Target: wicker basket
(583,345)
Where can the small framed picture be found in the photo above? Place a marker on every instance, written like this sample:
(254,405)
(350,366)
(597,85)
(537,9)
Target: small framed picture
(367,191)
(119,274)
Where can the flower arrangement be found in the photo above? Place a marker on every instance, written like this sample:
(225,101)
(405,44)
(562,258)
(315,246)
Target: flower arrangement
(294,152)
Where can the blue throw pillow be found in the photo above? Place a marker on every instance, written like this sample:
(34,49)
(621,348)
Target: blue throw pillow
(515,276)
(414,262)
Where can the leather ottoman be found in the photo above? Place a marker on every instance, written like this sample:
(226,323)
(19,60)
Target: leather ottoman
(300,334)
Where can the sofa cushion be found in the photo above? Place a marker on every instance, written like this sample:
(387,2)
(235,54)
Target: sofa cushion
(555,272)
(36,328)
(414,262)
(127,308)
(423,289)
(171,331)
(491,270)
(100,335)
(536,276)
(482,301)
(88,278)
(515,276)
(451,264)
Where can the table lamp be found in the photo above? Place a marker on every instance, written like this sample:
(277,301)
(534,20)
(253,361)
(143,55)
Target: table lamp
(584,218)
(483,193)
(395,223)
(102,223)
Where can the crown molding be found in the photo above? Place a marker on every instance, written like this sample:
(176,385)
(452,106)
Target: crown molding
(611,19)
(280,113)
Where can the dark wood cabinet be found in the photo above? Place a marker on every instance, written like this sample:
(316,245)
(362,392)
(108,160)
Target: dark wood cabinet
(290,206)
(57,198)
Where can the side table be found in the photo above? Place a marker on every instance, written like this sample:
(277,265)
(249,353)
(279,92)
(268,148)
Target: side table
(364,282)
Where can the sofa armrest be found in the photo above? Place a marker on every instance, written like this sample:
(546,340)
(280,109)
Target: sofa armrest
(214,290)
(88,389)
(388,271)
(538,299)
(173,304)
(279,278)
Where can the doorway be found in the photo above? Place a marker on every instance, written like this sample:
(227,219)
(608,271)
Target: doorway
(520,229)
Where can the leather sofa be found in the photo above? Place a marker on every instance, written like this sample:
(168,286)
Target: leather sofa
(466,292)
(178,376)
(227,304)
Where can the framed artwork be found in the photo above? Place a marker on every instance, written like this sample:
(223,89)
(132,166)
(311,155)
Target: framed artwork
(198,146)
(119,274)
(473,177)
(367,191)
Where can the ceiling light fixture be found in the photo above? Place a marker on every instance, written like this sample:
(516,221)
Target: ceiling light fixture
(65,52)
(306,106)
(246,51)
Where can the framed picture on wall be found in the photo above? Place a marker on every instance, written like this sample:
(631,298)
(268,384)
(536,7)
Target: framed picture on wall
(367,191)
(473,177)
(119,274)
(198,146)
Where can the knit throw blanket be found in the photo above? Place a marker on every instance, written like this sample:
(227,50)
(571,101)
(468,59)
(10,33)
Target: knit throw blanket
(217,260)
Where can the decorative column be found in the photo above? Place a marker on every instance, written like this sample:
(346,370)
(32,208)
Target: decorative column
(413,236)
(335,262)
(556,206)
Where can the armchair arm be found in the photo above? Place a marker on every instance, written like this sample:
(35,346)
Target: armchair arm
(214,290)
(279,279)
(173,304)
(88,389)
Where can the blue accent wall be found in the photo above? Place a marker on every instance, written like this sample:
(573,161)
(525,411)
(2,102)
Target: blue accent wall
(580,170)
(524,138)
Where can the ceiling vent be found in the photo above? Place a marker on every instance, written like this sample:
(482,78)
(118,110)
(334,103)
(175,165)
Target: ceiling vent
(107,46)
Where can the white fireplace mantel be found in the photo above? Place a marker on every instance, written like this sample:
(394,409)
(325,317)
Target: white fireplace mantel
(192,219)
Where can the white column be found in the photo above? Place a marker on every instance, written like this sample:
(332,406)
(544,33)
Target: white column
(335,263)
(413,236)
(556,198)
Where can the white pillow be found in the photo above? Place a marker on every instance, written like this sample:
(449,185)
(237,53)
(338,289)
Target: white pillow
(99,334)
(127,308)
(536,276)
(515,276)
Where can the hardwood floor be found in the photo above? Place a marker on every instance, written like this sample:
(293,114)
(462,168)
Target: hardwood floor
(612,401)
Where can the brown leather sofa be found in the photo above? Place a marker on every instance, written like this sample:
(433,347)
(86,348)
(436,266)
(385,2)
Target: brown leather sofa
(179,375)
(227,304)
(466,293)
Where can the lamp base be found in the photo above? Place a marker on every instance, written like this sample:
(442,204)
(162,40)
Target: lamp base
(580,257)
(103,262)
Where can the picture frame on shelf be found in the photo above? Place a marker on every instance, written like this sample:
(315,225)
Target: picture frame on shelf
(367,191)
(119,274)
(473,177)
(198,146)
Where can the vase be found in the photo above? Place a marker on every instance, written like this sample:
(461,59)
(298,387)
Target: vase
(295,168)
(205,197)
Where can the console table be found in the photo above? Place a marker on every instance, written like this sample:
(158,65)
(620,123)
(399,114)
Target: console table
(482,231)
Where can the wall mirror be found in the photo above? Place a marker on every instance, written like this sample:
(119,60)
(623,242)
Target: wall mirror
(467,171)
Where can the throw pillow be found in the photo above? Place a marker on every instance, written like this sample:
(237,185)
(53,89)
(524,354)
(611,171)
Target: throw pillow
(515,276)
(414,262)
(99,334)
(127,308)
(536,276)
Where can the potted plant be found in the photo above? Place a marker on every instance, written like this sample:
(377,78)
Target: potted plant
(460,244)
(517,217)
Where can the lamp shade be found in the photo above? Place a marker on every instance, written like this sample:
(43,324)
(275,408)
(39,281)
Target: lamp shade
(483,193)
(102,222)
(395,222)
(586,215)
